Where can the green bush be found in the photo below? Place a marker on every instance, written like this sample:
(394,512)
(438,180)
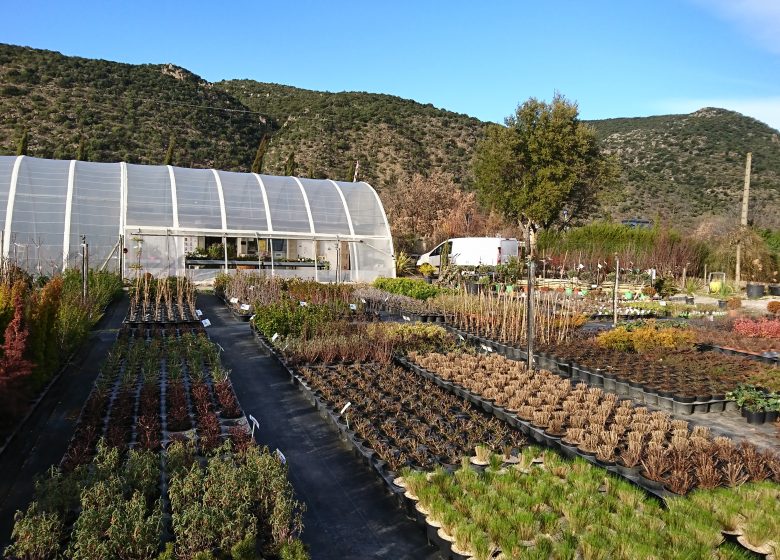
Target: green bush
(289,318)
(293,550)
(418,289)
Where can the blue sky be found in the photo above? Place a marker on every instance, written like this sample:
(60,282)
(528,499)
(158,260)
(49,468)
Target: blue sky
(615,58)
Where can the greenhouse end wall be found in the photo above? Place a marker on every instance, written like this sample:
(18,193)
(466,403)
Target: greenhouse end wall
(158,219)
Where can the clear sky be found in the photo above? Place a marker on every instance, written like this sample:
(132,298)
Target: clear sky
(616,58)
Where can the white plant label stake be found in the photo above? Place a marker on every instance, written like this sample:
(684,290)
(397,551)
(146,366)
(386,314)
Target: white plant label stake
(353,307)
(274,337)
(255,424)
(234,300)
(198,312)
(304,304)
(244,307)
(206,323)
(486,348)
(281,457)
(363,300)
(405,318)
(343,410)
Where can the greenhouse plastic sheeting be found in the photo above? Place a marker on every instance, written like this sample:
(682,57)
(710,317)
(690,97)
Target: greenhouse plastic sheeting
(46,206)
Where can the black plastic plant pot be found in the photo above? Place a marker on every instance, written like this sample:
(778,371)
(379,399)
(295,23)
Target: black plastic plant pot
(774,289)
(758,417)
(722,303)
(771,416)
(754,291)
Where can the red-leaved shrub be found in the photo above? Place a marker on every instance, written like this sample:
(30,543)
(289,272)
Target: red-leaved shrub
(764,328)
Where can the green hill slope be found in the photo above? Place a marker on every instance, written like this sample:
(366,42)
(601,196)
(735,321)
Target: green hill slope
(122,111)
(679,168)
(389,136)
(686,167)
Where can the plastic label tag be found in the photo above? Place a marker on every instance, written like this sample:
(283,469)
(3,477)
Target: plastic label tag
(255,424)
(234,300)
(353,307)
(363,300)
(304,304)
(244,307)
(206,323)
(281,457)
(346,406)
(199,313)
(274,337)
(252,318)
(486,348)
(405,318)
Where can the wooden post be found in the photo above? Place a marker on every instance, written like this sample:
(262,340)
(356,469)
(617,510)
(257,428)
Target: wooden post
(615,293)
(743,220)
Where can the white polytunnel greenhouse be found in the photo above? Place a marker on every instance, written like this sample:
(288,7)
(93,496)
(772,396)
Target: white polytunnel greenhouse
(166,220)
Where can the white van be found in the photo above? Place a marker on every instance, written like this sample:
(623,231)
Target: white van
(473,251)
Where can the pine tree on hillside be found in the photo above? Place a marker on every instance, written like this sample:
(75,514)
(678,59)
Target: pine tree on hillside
(257,164)
(81,151)
(169,153)
(351,172)
(21,149)
(289,165)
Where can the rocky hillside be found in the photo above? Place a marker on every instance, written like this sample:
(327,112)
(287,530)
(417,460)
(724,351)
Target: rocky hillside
(679,168)
(687,167)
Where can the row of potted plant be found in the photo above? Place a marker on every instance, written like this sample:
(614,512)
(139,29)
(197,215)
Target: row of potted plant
(650,447)
(143,505)
(152,390)
(404,419)
(163,300)
(546,507)
(757,404)
(161,467)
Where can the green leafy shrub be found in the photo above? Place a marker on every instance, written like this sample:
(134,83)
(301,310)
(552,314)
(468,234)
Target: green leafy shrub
(418,289)
(36,534)
(290,318)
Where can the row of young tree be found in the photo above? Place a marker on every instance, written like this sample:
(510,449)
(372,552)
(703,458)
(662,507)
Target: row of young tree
(41,322)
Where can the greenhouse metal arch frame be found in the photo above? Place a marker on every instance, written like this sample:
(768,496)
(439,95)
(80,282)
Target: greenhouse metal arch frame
(144,218)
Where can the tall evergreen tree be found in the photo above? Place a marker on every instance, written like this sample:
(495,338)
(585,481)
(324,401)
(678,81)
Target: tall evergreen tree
(257,164)
(21,149)
(351,172)
(169,153)
(289,165)
(81,151)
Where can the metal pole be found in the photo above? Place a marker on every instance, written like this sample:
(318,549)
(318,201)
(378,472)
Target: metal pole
(271,245)
(316,272)
(338,259)
(224,246)
(259,254)
(615,293)
(530,313)
(84,268)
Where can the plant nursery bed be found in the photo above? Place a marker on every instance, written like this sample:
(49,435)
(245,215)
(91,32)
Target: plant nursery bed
(649,448)
(349,512)
(160,440)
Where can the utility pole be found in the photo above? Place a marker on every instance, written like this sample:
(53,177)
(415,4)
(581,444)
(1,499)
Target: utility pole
(743,220)
(615,292)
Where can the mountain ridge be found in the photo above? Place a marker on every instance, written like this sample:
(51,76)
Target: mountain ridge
(682,168)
